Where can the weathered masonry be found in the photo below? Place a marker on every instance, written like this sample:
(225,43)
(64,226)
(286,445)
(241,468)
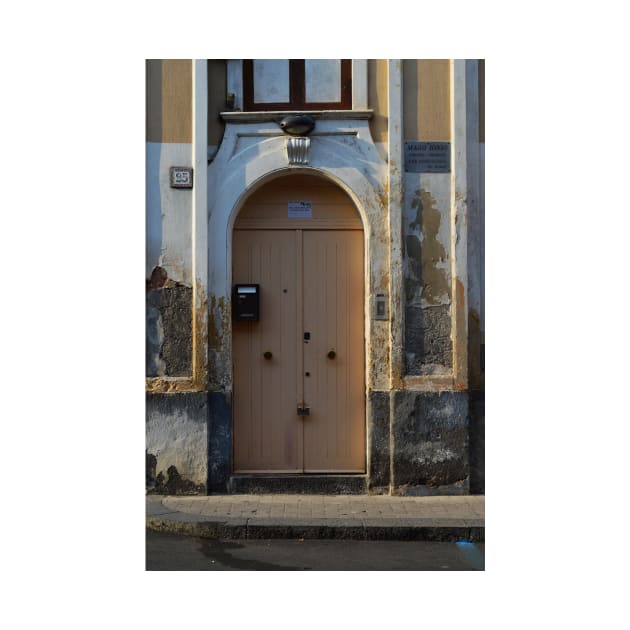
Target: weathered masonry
(314,276)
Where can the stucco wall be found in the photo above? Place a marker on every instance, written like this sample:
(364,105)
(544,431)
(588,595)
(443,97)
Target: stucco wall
(168,265)
(377,101)
(418,441)
(177,442)
(426,223)
(426,102)
(169,105)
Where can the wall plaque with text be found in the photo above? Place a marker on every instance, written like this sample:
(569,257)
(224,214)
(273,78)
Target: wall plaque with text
(428,157)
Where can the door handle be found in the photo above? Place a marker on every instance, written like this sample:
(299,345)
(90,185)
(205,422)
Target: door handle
(332,354)
(267,355)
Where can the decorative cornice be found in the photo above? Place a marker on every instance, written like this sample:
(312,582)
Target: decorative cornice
(327,114)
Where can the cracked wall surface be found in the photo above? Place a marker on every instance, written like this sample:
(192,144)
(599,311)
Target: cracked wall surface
(168,326)
(427,276)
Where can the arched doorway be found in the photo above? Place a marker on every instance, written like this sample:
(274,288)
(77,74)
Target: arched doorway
(299,370)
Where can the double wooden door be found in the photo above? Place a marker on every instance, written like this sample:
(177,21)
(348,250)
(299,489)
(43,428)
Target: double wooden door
(299,373)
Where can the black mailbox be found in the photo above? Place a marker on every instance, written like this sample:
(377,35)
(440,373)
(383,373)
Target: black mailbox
(245,304)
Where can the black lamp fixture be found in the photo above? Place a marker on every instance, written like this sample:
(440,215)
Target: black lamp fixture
(297,124)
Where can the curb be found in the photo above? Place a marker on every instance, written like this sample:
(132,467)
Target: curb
(323,529)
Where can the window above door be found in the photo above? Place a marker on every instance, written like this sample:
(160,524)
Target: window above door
(297,84)
(271,85)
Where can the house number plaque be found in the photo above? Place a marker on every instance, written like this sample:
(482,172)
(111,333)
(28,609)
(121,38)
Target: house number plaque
(181,177)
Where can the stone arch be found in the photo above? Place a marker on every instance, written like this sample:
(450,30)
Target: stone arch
(251,154)
(229,199)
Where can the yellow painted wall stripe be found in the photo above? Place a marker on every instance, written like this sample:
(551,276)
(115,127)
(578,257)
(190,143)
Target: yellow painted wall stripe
(169,100)
(426,106)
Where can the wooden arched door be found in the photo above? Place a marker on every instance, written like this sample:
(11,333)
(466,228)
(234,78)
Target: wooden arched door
(299,371)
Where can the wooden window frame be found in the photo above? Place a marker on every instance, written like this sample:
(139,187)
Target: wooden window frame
(297,89)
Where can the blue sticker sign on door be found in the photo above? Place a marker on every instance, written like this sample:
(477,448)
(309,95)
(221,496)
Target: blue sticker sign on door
(300,210)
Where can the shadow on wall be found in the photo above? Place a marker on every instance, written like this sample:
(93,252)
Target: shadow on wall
(173,484)
(154,207)
(152,164)
(477,443)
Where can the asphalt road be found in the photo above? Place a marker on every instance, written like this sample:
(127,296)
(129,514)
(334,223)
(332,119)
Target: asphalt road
(168,552)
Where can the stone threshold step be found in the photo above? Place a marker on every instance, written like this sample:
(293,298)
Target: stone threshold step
(297,484)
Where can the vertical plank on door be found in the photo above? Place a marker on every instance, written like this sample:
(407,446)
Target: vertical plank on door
(266,430)
(334,433)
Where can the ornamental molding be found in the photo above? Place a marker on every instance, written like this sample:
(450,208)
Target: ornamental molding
(298,150)
(325,114)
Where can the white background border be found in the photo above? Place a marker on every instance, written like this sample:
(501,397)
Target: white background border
(557,346)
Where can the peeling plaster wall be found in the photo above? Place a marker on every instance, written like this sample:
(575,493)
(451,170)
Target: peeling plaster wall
(427,273)
(426,226)
(168,264)
(177,441)
(168,326)
(418,442)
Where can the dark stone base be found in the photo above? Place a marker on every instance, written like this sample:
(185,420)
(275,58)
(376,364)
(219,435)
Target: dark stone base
(430,442)
(219,442)
(456,489)
(242,529)
(437,447)
(297,484)
(477,443)
(378,442)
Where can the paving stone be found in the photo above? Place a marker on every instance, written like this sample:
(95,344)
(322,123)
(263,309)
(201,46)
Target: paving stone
(326,516)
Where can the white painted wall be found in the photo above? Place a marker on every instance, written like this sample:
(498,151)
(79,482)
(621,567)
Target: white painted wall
(168,212)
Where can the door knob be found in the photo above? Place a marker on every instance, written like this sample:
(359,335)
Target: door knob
(267,355)
(332,354)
